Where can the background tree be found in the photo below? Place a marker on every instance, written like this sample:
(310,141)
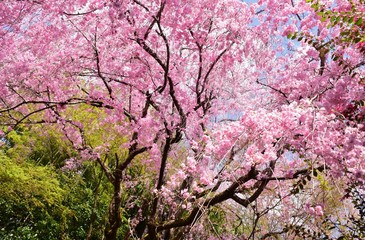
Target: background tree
(40,198)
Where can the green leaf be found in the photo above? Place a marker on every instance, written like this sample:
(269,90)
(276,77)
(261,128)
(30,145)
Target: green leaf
(338,18)
(357,39)
(315,6)
(358,22)
(351,20)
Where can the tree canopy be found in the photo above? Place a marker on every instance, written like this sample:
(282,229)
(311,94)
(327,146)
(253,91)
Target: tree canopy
(208,119)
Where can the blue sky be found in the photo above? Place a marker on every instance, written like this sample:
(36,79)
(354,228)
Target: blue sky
(249,1)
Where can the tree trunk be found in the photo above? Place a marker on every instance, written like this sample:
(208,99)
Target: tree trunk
(114,213)
(152,234)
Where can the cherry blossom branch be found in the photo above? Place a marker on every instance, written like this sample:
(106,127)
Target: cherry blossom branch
(166,73)
(211,67)
(142,5)
(299,18)
(97,57)
(245,202)
(153,54)
(218,198)
(160,180)
(32,113)
(275,89)
(132,154)
(106,170)
(297,174)
(200,70)
(26,102)
(210,190)
(275,233)
(155,19)
(79,13)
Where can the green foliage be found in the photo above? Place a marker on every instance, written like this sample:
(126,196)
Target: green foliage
(38,145)
(216,218)
(352,31)
(354,228)
(86,200)
(29,196)
(300,184)
(306,233)
(38,200)
(43,201)
(334,227)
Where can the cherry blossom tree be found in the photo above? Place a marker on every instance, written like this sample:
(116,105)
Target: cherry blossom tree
(210,96)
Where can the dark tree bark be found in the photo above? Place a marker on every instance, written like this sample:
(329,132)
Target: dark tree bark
(114,221)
